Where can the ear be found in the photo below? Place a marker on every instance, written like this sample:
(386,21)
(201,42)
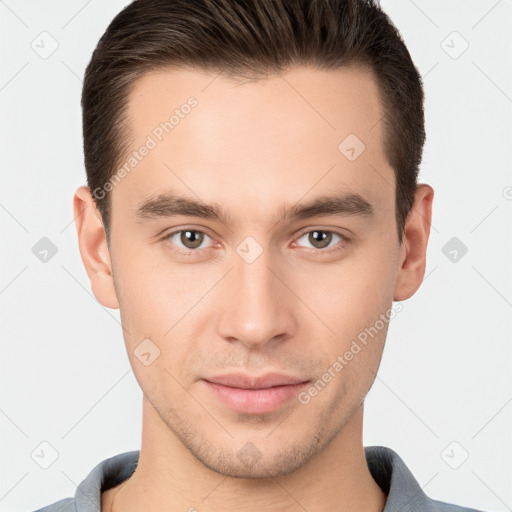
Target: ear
(412,261)
(93,246)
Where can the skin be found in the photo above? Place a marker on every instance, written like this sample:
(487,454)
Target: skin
(254,148)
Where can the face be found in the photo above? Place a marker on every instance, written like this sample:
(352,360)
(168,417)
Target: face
(246,284)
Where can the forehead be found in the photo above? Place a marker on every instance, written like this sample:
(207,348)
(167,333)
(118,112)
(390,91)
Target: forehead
(275,139)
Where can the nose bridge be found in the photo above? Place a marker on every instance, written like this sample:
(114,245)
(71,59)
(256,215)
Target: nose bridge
(258,308)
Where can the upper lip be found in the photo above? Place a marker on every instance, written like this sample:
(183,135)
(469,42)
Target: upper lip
(243,381)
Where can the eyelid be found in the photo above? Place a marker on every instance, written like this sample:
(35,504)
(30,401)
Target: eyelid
(328,230)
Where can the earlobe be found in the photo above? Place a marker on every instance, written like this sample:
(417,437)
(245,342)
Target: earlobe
(412,262)
(93,247)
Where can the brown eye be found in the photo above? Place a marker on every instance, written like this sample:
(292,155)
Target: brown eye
(190,238)
(322,240)
(187,240)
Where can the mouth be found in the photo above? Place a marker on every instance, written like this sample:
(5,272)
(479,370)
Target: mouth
(254,395)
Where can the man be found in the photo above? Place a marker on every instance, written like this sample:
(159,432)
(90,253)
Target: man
(253,209)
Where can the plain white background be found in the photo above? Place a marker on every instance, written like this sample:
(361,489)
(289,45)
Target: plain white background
(443,395)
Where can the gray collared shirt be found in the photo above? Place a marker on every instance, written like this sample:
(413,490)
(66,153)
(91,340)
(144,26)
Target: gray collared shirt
(386,467)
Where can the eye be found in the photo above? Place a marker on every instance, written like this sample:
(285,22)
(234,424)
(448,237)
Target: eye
(320,239)
(187,240)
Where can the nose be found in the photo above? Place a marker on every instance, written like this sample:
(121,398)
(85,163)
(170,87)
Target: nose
(257,306)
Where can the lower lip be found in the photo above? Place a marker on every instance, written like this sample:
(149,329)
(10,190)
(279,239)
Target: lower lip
(255,401)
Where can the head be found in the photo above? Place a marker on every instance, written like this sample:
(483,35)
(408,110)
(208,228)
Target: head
(254,207)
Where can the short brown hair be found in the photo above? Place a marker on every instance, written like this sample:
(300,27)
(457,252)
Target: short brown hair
(255,38)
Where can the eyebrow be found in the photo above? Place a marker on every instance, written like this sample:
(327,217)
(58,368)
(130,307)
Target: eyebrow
(172,205)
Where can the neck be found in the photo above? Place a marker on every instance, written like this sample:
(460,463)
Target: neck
(169,477)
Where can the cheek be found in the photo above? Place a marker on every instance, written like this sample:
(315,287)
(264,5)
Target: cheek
(347,296)
(163,302)
(154,291)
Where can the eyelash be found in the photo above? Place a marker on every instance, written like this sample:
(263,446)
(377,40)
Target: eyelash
(344,241)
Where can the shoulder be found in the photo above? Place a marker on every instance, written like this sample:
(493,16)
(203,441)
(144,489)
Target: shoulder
(441,506)
(64,505)
(105,475)
(403,491)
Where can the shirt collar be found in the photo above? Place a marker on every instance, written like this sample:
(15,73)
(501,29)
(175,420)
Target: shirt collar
(396,480)
(385,465)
